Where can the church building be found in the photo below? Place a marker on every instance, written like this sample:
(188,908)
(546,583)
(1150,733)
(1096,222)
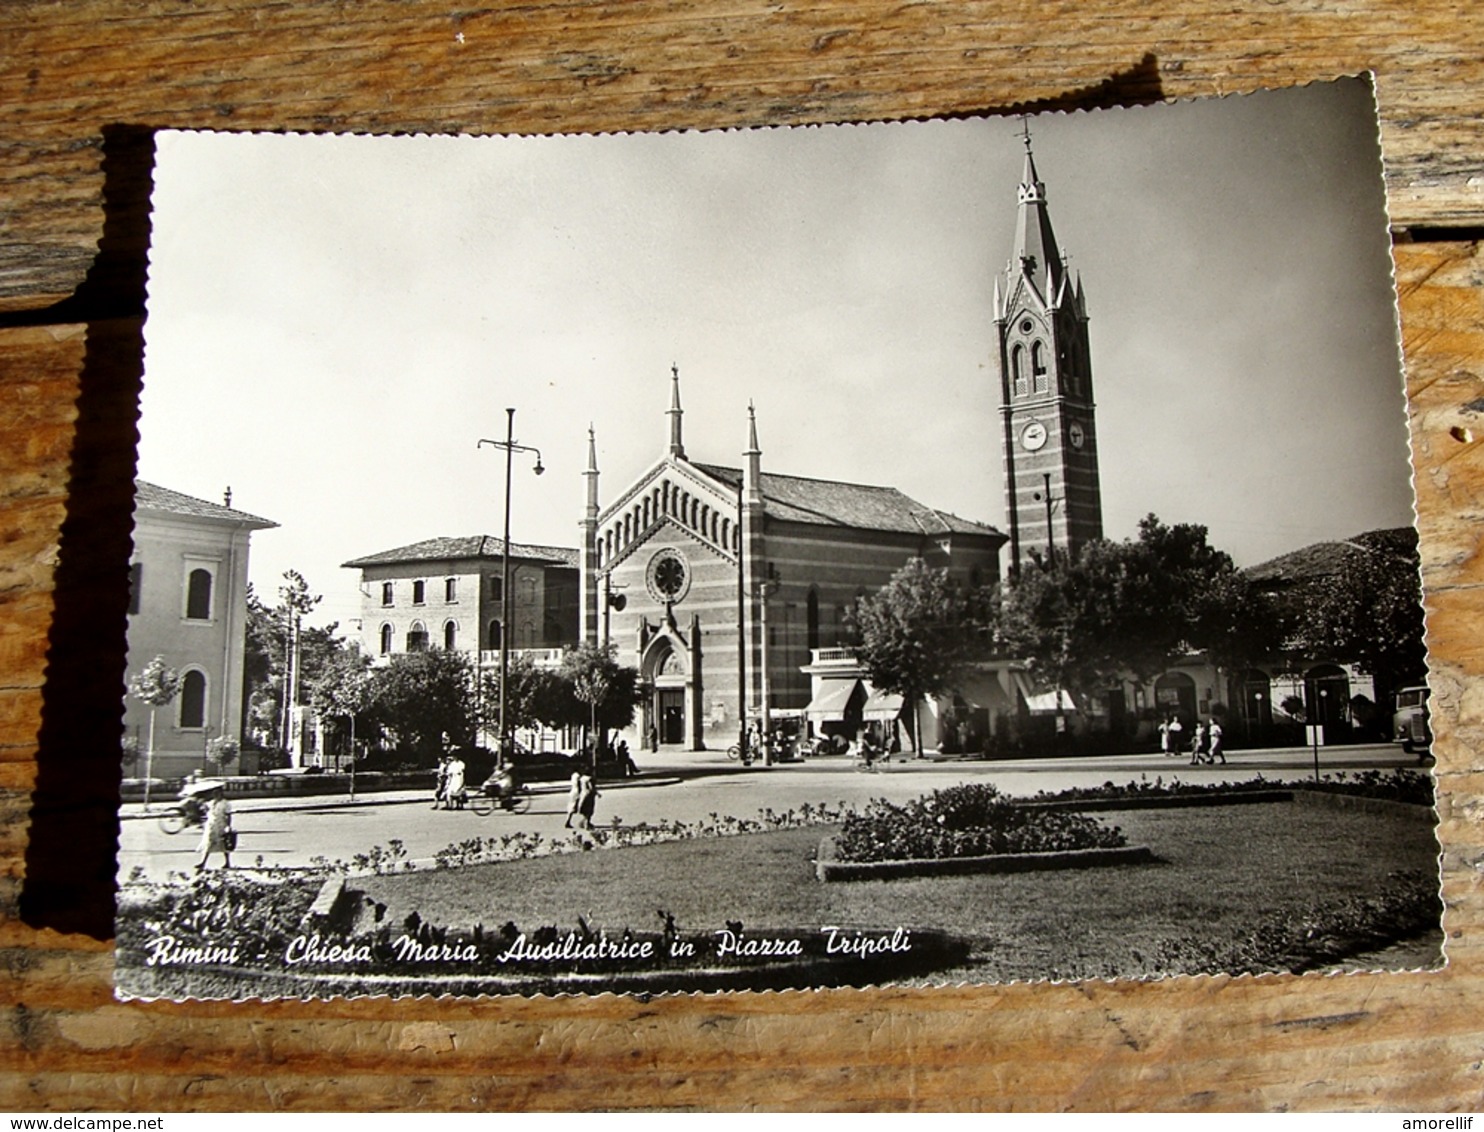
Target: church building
(1053,503)
(692,558)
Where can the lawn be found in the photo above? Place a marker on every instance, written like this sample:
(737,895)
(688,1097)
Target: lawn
(1224,873)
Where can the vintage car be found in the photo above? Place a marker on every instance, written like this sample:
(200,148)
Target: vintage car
(1409,724)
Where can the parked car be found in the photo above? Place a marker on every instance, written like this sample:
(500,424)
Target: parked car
(1409,724)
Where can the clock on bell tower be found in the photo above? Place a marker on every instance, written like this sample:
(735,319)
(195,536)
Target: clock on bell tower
(1053,500)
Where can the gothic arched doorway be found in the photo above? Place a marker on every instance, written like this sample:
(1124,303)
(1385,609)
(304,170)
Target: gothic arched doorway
(666,673)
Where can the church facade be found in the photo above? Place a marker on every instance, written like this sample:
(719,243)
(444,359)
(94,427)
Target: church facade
(721,584)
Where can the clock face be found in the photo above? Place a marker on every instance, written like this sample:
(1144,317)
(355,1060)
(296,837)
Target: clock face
(1033,436)
(668,576)
(1076,435)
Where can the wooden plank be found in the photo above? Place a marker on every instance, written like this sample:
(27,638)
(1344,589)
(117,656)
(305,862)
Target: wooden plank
(79,77)
(650,64)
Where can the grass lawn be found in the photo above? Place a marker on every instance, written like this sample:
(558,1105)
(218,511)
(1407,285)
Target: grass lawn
(1223,870)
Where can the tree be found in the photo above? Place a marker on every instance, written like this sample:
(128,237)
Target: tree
(275,637)
(344,689)
(156,684)
(609,690)
(1131,608)
(917,635)
(426,699)
(1363,607)
(537,697)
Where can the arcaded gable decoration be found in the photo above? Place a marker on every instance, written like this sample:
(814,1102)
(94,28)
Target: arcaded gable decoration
(673,494)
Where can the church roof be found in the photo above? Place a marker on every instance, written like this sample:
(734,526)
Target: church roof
(152,497)
(1326,559)
(833,503)
(469,546)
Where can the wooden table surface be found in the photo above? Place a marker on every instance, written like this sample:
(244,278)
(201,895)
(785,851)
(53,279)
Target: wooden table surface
(82,85)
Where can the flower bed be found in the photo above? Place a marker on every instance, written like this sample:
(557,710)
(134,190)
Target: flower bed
(972,821)
(1399,785)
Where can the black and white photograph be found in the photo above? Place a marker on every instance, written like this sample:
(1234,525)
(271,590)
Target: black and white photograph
(953,551)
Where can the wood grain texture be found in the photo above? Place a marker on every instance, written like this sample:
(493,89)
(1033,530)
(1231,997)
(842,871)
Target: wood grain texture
(81,84)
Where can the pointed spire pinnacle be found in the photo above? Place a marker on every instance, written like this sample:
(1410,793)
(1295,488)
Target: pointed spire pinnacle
(677,448)
(1036,255)
(752,473)
(591,475)
(999,302)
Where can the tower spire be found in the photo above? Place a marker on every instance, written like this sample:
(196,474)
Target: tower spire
(591,475)
(1036,255)
(677,448)
(752,480)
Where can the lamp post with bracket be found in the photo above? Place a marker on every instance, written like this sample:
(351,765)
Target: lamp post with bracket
(510,447)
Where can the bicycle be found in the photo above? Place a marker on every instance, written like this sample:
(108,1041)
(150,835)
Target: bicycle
(485,803)
(183,815)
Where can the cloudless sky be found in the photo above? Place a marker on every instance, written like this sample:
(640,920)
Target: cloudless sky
(335,321)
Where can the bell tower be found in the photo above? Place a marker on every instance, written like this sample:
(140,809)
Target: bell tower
(1053,500)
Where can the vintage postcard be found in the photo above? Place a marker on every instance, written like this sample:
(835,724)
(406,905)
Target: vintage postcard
(936,552)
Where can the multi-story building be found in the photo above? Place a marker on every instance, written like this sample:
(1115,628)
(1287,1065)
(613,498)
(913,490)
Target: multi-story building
(448,593)
(188,606)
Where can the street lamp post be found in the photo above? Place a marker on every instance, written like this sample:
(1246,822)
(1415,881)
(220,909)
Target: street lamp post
(510,447)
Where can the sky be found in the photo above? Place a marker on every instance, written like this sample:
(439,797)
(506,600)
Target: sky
(334,322)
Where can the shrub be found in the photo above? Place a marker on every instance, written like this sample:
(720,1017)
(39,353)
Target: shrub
(966,821)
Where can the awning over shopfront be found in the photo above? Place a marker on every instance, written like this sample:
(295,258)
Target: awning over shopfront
(882,706)
(832,699)
(1044,703)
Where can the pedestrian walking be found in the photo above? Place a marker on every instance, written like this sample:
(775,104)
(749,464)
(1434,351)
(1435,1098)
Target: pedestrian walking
(1177,736)
(1215,745)
(1198,744)
(574,798)
(587,801)
(453,791)
(1166,738)
(440,782)
(217,834)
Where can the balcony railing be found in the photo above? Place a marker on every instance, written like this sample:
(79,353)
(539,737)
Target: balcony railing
(541,658)
(833,656)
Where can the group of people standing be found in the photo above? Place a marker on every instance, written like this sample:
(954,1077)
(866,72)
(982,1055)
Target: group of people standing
(1207,742)
(448,791)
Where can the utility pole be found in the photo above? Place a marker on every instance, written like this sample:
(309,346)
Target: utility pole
(506,604)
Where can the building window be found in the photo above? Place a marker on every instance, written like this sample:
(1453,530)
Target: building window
(198,595)
(386,639)
(193,700)
(450,636)
(1038,365)
(1017,369)
(450,589)
(417,637)
(494,635)
(419,592)
(811,613)
(386,593)
(136,575)
(497,588)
